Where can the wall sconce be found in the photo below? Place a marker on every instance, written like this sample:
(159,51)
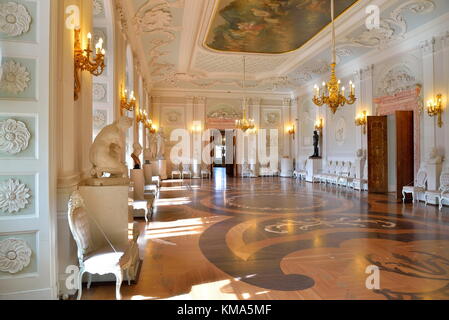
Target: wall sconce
(124,102)
(435,108)
(291,130)
(319,125)
(83,62)
(149,125)
(196,128)
(362,120)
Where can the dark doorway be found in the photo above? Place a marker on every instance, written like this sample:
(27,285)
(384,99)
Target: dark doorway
(405,171)
(377,154)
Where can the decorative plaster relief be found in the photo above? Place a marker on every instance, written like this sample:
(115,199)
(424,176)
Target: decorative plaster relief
(392,28)
(100,119)
(14,77)
(15,255)
(14,19)
(340,131)
(271,117)
(14,136)
(99,91)
(398,79)
(14,196)
(173,117)
(100,33)
(98,8)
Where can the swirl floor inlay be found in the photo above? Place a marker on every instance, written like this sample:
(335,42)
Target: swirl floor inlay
(273,238)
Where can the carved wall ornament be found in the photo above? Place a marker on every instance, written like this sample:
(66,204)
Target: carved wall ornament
(100,119)
(392,28)
(99,91)
(15,77)
(399,78)
(14,196)
(14,136)
(340,131)
(15,255)
(99,33)
(14,19)
(98,8)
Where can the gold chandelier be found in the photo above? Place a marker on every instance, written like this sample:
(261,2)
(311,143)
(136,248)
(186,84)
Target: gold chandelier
(330,93)
(244,124)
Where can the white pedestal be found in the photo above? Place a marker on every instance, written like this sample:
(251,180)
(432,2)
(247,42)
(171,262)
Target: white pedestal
(108,205)
(286,168)
(196,171)
(155,168)
(137,177)
(162,169)
(148,173)
(313,167)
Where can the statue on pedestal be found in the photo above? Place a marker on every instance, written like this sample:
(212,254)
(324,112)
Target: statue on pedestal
(135,155)
(316,142)
(106,153)
(147,156)
(160,140)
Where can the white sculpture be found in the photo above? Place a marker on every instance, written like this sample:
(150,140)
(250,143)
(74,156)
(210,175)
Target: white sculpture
(137,151)
(108,148)
(160,138)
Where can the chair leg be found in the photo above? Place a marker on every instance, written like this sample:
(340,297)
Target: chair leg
(118,284)
(128,277)
(413,197)
(80,284)
(440,200)
(403,196)
(89,280)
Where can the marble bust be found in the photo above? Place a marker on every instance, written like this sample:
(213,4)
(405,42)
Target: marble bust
(106,152)
(137,151)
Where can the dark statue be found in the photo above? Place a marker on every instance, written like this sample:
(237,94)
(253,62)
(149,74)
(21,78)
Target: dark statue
(316,142)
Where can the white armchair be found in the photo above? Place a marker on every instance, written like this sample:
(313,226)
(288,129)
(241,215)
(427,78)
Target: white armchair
(418,187)
(186,171)
(436,194)
(246,171)
(98,258)
(176,172)
(205,172)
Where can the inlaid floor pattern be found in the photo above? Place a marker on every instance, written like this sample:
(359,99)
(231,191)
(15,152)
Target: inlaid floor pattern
(275,238)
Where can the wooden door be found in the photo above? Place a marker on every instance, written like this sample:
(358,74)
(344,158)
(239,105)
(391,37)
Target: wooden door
(404,150)
(377,154)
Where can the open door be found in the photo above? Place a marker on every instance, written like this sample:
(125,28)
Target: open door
(405,150)
(377,154)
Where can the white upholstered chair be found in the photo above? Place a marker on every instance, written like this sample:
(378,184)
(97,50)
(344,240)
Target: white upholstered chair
(418,187)
(246,171)
(98,257)
(176,172)
(186,171)
(442,194)
(205,172)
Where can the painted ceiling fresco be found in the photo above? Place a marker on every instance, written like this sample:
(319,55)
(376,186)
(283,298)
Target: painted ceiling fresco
(269,26)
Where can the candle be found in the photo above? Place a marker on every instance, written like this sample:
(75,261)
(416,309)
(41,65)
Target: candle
(103,52)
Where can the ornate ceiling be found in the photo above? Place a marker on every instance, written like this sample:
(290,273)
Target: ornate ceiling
(177,39)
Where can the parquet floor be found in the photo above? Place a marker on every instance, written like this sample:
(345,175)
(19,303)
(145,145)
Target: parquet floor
(274,238)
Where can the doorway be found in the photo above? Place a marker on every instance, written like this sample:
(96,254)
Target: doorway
(391,152)
(224,152)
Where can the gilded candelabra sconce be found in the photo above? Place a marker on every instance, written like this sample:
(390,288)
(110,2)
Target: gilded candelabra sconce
(435,108)
(196,128)
(142,117)
(319,125)
(128,103)
(291,130)
(83,60)
(362,120)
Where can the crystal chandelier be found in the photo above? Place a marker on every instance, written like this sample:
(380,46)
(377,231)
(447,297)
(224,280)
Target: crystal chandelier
(330,93)
(244,124)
